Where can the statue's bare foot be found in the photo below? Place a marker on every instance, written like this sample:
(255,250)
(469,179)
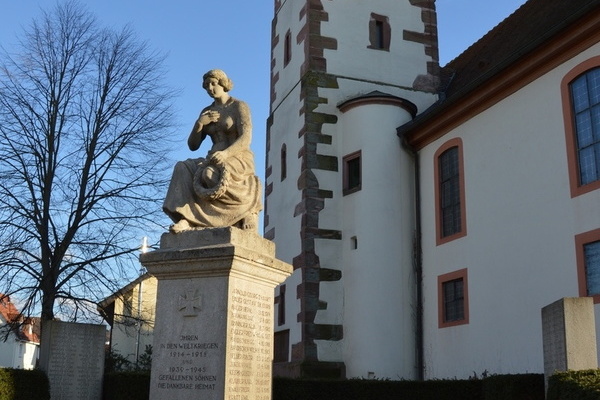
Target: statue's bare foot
(182,225)
(250,222)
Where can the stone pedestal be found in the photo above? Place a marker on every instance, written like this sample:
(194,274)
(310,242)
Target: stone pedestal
(213,334)
(569,335)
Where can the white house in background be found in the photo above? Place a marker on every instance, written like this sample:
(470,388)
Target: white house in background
(130,314)
(429,213)
(21,347)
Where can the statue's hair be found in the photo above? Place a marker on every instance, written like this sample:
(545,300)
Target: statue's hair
(218,74)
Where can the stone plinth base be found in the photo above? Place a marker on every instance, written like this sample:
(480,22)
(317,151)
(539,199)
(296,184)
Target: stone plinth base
(569,335)
(213,334)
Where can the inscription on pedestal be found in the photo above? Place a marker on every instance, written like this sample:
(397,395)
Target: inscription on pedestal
(250,354)
(188,367)
(213,336)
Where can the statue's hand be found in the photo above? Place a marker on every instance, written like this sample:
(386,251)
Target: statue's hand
(209,116)
(218,157)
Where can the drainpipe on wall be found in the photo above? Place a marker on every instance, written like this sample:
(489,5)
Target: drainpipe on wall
(417,262)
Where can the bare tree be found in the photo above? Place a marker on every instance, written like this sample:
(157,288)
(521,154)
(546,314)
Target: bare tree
(84,117)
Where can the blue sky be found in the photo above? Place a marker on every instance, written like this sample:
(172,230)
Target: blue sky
(234,35)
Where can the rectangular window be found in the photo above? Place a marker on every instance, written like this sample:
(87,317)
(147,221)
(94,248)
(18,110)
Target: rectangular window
(281,306)
(380,32)
(588,264)
(449,192)
(352,171)
(591,253)
(282,343)
(453,300)
(287,48)
(283,162)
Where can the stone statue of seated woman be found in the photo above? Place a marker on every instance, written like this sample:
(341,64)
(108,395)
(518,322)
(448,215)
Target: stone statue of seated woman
(222,189)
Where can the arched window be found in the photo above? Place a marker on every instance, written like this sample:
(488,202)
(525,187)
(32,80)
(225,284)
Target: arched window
(581,108)
(450,192)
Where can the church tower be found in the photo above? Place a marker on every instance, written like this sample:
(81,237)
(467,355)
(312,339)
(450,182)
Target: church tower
(339,185)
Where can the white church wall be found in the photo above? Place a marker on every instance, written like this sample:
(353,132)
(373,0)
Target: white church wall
(521,222)
(350,26)
(288,19)
(349,89)
(331,293)
(376,275)
(292,309)
(285,196)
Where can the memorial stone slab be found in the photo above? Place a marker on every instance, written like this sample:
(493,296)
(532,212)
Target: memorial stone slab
(75,362)
(213,335)
(569,335)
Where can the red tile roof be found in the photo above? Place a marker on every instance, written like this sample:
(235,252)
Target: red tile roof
(8,311)
(528,27)
(26,329)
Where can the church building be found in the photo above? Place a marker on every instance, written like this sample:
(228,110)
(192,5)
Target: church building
(430,212)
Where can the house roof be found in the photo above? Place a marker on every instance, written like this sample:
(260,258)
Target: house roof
(26,329)
(528,27)
(531,27)
(111,299)
(8,310)
(30,330)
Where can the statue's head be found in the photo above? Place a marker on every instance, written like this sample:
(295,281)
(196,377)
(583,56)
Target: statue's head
(219,75)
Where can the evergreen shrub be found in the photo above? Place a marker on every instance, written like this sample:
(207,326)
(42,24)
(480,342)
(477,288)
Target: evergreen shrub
(360,389)
(514,387)
(134,385)
(128,385)
(22,384)
(575,385)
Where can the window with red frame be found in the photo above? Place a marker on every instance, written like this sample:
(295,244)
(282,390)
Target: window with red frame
(453,299)
(585,102)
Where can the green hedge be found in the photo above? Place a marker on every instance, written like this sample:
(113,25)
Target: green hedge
(21,384)
(575,385)
(132,385)
(514,387)
(135,386)
(357,389)
(496,387)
